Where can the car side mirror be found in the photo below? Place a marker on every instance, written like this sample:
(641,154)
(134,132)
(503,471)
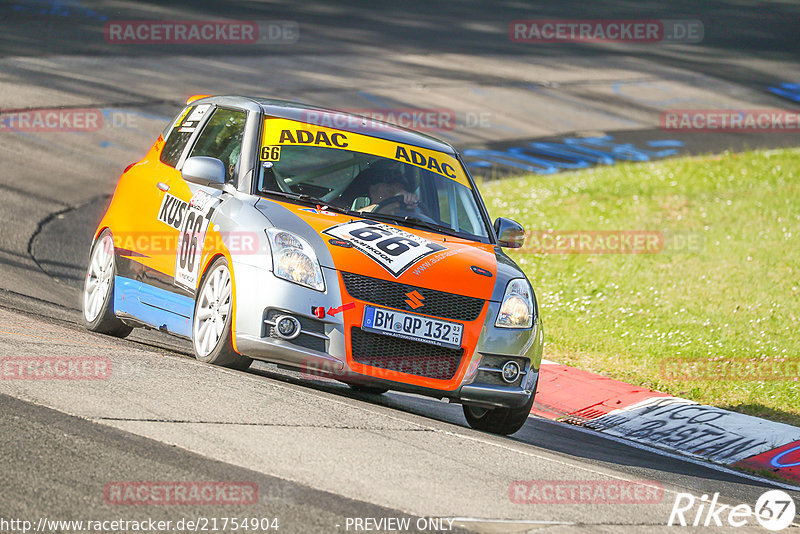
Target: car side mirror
(510,234)
(204,171)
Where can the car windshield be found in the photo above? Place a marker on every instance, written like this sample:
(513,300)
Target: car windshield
(430,190)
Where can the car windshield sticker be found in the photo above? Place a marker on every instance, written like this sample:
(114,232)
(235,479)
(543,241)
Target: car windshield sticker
(285,132)
(393,249)
(190,123)
(270,153)
(320,210)
(179,120)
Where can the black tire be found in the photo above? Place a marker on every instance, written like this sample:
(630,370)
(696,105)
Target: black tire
(98,305)
(504,421)
(372,390)
(222,353)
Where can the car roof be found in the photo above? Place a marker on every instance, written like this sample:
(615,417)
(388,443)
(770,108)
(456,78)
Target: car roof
(285,109)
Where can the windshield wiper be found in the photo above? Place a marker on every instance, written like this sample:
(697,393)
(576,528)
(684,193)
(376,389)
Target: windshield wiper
(410,221)
(308,199)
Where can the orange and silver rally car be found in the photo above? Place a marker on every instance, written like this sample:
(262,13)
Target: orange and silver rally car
(325,242)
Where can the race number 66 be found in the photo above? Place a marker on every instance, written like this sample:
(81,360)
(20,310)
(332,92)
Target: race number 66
(192,229)
(271,153)
(393,245)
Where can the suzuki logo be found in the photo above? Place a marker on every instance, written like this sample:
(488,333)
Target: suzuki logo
(415,299)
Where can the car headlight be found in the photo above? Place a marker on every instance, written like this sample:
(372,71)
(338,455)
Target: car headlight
(294,259)
(516,311)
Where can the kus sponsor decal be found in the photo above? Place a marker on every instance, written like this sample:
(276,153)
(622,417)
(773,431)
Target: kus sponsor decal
(172,211)
(191,219)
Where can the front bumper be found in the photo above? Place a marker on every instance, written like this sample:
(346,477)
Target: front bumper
(473,384)
(496,396)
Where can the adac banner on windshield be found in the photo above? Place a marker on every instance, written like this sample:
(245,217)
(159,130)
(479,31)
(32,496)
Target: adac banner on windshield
(285,132)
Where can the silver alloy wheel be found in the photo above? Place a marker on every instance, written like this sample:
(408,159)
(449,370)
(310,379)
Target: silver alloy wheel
(213,308)
(98,279)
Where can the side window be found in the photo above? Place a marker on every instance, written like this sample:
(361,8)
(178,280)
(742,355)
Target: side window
(221,138)
(456,207)
(180,132)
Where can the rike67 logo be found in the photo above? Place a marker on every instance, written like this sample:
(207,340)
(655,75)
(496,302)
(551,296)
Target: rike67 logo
(774,510)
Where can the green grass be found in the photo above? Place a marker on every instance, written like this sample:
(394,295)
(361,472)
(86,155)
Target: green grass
(711,313)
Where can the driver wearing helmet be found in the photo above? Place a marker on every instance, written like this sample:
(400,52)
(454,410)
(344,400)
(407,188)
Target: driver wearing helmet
(379,182)
(390,186)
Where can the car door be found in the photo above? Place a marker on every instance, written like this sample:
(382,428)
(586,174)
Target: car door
(145,219)
(185,211)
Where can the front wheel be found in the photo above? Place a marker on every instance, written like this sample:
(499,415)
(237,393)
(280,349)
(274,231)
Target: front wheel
(98,290)
(503,421)
(211,325)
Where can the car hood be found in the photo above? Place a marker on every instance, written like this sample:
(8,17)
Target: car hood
(427,259)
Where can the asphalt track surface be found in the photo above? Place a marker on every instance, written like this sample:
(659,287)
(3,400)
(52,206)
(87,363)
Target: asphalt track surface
(318,452)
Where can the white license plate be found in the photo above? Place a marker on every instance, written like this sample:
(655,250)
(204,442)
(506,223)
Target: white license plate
(410,326)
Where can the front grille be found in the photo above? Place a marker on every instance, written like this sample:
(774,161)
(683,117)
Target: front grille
(496,362)
(404,356)
(393,295)
(307,324)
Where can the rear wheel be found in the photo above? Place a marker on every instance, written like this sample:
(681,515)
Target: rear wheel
(98,290)
(211,326)
(498,420)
